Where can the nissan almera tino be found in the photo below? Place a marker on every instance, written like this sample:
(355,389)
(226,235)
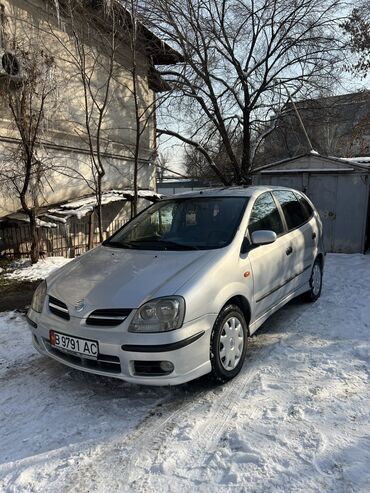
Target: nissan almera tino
(177,291)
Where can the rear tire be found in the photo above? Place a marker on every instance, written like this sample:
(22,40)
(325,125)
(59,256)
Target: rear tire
(315,283)
(228,343)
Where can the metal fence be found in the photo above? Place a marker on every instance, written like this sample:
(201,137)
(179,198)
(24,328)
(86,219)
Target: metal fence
(65,240)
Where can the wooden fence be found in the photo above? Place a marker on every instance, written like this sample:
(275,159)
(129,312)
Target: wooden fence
(65,240)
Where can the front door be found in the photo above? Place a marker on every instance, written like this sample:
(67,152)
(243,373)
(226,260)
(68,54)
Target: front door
(271,264)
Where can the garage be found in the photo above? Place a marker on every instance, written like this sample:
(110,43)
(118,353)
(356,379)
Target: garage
(339,188)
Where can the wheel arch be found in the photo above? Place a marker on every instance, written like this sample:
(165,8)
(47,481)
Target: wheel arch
(241,302)
(320,258)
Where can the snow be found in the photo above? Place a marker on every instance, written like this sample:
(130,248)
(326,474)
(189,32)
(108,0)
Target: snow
(297,418)
(55,218)
(362,159)
(303,170)
(19,216)
(81,207)
(23,269)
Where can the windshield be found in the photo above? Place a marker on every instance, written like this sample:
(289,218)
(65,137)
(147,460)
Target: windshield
(183,224)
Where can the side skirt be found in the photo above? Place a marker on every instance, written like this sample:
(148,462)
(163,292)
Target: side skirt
(262,318)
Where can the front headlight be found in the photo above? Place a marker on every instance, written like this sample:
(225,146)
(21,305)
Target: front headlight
(39,297)
(159,315)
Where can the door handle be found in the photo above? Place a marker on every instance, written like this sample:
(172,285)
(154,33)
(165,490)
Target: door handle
(313,236)
(289,250)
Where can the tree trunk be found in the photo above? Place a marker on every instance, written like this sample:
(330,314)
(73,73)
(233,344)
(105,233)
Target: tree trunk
(34,230)
(91,231)
(136,173)
(245,164)
(99,209)
(35,239)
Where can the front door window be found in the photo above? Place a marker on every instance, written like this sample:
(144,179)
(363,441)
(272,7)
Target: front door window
(265,215)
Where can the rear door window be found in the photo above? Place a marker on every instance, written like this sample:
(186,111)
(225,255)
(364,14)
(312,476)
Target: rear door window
(306,206)
(294,212)
(265,215)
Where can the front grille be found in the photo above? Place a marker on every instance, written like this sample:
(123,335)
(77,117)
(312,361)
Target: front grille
(109,317)
(58,308)
(105,362)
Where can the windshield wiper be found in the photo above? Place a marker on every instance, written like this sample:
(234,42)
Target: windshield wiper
(146,241)
(158,241)
(117,244)
(181,246)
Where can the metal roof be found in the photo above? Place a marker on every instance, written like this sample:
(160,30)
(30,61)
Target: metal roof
(237,191)
(349,164)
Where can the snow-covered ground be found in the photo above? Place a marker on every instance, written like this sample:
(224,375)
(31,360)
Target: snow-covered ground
(296,419)
(23,269)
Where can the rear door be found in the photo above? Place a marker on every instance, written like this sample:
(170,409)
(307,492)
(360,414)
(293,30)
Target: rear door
(303,233)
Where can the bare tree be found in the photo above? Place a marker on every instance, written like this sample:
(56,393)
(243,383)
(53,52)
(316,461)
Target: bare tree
(140,42)
(93,54)
(357,26)
(143,110)
(28,92)
(240,55)
(110,56)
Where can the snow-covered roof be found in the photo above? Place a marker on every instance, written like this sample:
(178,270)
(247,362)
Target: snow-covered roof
(358,163)
(358,160)
(81,207)
(20,216)
(302,170)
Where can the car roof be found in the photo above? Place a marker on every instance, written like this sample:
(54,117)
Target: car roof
(237,191)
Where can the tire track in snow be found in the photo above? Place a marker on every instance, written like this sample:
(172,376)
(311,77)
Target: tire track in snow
(134,460)
(123,453)
(218,417)
(135,455)
(215,420)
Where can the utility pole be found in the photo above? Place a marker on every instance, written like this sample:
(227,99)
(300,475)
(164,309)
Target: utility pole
(298,116)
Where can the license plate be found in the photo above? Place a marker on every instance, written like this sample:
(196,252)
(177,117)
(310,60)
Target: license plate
(74,344)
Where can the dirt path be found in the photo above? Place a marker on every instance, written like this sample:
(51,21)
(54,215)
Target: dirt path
(15,295)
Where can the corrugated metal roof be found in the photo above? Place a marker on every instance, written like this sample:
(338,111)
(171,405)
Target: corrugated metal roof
(356,163)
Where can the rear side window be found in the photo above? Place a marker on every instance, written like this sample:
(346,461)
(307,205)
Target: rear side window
(294,211)
(265,215)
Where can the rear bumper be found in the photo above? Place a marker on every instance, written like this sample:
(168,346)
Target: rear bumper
(121,354)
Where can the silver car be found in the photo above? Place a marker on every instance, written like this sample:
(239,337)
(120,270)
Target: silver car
(177,291)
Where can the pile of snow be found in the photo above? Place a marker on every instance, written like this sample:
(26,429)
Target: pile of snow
(23,269)
(297,418)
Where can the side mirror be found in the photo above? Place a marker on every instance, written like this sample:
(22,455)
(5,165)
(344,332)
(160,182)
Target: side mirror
(263,237)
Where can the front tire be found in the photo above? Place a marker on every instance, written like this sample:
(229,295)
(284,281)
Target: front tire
(315,282)
(228,343)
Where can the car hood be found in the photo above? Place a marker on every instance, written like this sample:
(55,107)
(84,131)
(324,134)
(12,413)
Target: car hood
(118,278)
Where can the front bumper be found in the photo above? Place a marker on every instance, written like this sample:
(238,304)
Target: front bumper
(121,353)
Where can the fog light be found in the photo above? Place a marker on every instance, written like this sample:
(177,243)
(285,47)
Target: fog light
(166,366)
